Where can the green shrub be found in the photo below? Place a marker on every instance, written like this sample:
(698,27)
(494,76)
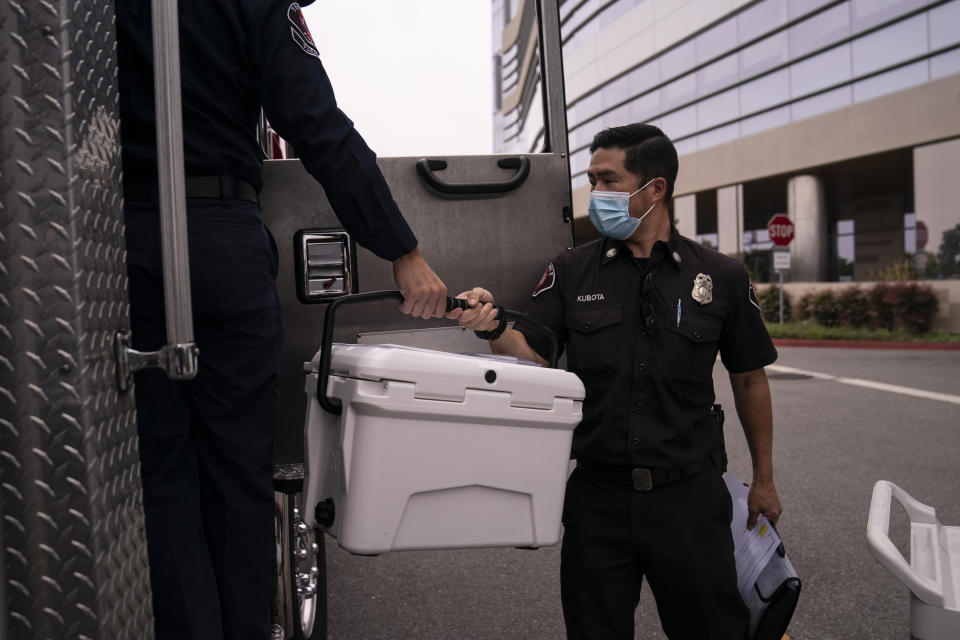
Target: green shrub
(826,309)
(915,305)
(769,300)
(805,307)
(882,312)
(854,307)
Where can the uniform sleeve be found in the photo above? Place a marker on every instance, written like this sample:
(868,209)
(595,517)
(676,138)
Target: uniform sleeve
(546,306)
(745,344)
(298,100)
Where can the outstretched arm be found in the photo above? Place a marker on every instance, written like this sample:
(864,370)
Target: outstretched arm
(481,316)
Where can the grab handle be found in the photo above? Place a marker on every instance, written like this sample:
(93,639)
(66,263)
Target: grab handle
(886,553)
(426,169)
(179,357)
(333,406)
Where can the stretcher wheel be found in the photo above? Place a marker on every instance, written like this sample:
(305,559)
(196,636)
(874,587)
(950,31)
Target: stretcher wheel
(300,601)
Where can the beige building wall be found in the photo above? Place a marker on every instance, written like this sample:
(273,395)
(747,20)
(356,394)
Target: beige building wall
(685,215)
(916,116)
(730,219)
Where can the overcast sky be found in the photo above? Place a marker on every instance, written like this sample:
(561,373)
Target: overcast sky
(415,76)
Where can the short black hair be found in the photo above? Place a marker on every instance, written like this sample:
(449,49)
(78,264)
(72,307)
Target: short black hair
(649,152)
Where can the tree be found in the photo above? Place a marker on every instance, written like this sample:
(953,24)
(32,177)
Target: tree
(950,252)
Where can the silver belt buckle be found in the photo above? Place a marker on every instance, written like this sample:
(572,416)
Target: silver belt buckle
(642,480)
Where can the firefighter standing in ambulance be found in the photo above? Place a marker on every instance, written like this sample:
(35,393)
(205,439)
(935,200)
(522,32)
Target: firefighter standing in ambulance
(642,314)
(206,445)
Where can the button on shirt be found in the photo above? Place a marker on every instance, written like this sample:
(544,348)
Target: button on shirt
(647,368)
(236,56)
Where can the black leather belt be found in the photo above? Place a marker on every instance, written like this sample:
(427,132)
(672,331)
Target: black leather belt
(638,478)
(223,187)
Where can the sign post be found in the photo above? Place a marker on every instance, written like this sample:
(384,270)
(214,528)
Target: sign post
(780,229)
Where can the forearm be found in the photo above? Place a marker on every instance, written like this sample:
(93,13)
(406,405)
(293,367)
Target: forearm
(513,343)
(751,395)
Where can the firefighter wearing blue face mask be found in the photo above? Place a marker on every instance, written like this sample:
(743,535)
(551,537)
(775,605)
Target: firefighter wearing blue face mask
(610,212)
(642,314)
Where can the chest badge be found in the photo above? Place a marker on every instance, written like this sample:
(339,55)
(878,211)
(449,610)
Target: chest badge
(702,288)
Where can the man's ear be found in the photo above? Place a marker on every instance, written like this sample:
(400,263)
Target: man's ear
(659,188)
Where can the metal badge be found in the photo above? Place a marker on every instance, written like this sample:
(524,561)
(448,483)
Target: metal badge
(676,257)
(611,253)
(703,289)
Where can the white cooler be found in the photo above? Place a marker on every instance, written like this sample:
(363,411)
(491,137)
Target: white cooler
(436,450)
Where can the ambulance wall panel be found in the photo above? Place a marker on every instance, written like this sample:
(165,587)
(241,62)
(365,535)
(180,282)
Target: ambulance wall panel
(73,548)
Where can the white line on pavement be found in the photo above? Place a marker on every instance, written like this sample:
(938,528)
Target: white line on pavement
(870,384)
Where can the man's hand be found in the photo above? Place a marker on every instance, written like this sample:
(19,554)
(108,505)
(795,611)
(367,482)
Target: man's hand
(424,294)
(763,499)
(481,316)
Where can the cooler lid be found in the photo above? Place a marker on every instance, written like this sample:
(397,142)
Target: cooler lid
(445,376)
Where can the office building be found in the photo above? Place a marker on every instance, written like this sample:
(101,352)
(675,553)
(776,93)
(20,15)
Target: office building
(843,114)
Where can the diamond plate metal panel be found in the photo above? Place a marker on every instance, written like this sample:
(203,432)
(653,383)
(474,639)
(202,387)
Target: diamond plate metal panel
(74,552)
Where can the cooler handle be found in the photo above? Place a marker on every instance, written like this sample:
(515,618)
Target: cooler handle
(886,553)
(333,406)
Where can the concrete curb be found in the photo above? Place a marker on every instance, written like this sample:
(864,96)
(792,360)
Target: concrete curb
(867,344)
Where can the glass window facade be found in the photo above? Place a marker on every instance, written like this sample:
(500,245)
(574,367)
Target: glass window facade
(898,42)
(764,66)
(945,25)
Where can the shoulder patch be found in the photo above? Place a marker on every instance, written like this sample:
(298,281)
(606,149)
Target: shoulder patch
(299,31)
(752,296)
(546,282)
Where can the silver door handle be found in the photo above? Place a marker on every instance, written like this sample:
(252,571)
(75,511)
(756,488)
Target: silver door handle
(179,357)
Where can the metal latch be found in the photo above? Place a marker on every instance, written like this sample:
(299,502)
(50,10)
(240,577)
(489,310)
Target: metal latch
(325,265)
(178,361)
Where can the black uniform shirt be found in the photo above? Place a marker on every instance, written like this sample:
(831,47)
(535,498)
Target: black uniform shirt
(236,56)
(649,390)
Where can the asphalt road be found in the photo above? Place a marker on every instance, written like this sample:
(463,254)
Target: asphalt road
(833,441)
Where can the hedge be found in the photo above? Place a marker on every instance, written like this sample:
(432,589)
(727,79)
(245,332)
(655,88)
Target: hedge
(886,305)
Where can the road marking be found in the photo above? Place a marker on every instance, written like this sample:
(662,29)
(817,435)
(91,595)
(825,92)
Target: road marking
(870,384)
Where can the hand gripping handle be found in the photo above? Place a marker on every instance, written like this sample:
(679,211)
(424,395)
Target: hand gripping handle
(333,406)
(929,590)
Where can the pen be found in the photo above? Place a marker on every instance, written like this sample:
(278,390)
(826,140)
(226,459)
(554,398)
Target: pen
(679,311)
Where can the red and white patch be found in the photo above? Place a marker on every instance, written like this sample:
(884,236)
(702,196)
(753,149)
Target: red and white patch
(752,296)
(300,32)
(546,282)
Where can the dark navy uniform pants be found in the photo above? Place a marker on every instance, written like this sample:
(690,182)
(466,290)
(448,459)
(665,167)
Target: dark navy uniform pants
(677,536)
(206,445)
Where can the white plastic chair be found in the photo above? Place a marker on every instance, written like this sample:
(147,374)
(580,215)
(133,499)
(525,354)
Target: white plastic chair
(933,573)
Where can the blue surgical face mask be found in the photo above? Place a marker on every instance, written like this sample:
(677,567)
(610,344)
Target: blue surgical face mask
(610,212)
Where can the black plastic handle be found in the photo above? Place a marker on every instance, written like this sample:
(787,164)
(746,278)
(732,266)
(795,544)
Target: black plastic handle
(326,344)
(426,170)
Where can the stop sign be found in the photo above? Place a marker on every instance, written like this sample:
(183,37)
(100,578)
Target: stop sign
(780,229)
